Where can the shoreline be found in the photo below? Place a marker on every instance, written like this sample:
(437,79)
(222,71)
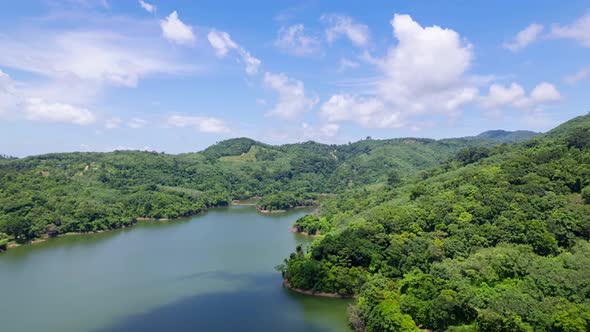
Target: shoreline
(252,201)
(286,210)
(312,293)
(270,211)
(238,203)
(295,231)
(46,237)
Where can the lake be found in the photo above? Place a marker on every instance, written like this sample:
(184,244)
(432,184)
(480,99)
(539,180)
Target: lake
(211,272)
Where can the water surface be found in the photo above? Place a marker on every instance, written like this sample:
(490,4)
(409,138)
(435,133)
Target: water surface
(212,272)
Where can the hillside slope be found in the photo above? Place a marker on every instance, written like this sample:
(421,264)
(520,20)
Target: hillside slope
(497,242)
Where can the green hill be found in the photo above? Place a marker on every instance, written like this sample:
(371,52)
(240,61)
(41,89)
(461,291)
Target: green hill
(57,193)
(508,136)
(497,243)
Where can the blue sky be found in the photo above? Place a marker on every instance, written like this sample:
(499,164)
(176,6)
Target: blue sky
(177,76)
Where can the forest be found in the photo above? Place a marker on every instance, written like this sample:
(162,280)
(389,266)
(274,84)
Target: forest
(48,195)
(493,239)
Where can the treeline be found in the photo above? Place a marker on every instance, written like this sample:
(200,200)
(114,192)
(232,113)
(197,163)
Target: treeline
(495,239)
(6,157)
(285,200)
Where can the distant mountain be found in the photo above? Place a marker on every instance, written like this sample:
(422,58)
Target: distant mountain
(508,136)
(241,145)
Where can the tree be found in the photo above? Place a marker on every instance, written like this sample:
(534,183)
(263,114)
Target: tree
(472,154)
(393,178)
(586,194)
(18,227)
(387,317)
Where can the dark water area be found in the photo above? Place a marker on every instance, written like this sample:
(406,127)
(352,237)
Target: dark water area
(212,272)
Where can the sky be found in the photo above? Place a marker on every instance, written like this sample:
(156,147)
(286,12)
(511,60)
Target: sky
(178,76)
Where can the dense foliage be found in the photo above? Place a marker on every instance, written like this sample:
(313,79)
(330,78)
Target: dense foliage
(495,239)
(51,194)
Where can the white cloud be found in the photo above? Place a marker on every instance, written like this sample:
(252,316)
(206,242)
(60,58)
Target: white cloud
(136,123)
(368,112)
(39,110)
(223,44)
(426,70)
(176,31)
(545,93)
(201,123)
(501,96)
(97,56)
(8,94)
(251,62)
(340,25)
(514,96)
(148,7)
(292,101)
(323,133)
(329,129)
(112,123)
(346,64)
(30,101)
(578,31)
(293,40)
(577,76)
(524,38)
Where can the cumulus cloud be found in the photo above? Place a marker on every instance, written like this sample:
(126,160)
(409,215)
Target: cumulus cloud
(368,112)
(223,44)
(427,72)
(293,40)
(202,123)
(40,110)
(177,31)
(292,101)
(147,6)
(514,96)
(545,93)
(524,38)
(341,25)
(578,31)
(427,69)
(577,76)
(426,60)
(136,123)
(500,96)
